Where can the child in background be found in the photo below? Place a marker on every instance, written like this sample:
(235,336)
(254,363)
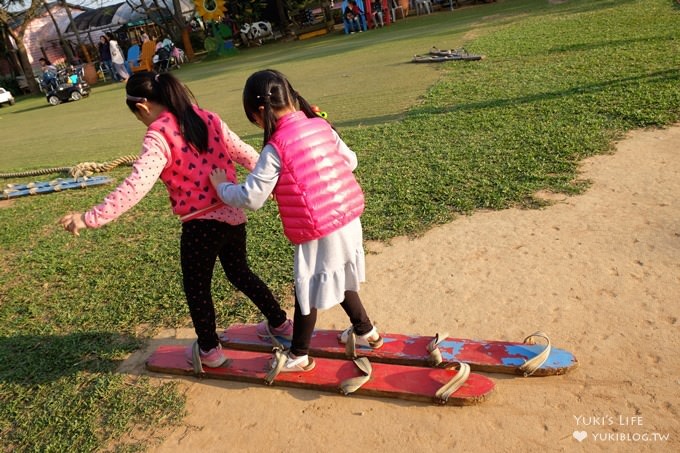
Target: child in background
(351,20)
(309,170)
(377,10)
(182,145)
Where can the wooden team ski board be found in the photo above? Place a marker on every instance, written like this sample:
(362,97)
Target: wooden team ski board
(386,380)
(35,188)
(481,355)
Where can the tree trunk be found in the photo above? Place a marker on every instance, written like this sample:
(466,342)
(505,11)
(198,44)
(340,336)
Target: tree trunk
(64,45)
(17,35)
(22,55)
(76,32)
(284,23)
(188,48)
(184,29)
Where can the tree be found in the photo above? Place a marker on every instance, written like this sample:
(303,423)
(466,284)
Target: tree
(183,26)
(74,27)
(64,45)
(21,22)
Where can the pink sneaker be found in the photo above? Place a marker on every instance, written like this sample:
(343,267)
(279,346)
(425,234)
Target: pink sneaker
(285,330)
(212,359)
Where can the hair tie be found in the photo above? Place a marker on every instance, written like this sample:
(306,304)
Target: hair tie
(156,77)
(267,97)
(135,98)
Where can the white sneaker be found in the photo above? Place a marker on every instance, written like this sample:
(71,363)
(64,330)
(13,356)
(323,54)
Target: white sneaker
(296,364)
(372,339)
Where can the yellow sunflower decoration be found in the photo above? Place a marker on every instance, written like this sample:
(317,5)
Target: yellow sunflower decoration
(210,9)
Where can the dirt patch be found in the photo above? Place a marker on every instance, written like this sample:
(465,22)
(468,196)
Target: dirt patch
(598,272)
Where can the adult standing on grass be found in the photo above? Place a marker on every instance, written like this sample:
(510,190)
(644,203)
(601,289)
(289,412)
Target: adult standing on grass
(308,168)
(182,145)
(104,48)
(117,59)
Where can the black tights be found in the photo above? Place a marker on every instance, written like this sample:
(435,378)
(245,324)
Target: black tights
(202,242)
(303,326)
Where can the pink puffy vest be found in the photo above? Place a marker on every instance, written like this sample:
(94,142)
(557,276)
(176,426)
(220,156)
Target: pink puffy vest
(317,193)
(186,177)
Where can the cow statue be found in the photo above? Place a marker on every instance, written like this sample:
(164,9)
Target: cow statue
(256,32)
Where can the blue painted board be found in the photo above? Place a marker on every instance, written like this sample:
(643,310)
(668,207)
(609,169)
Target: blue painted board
(57,185)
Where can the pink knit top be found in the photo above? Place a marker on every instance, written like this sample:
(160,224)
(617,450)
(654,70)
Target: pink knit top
(156,156)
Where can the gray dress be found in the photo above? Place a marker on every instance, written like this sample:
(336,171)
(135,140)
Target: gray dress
(324,268)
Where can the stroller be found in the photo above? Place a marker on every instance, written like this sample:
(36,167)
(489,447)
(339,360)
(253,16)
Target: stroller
(163,59)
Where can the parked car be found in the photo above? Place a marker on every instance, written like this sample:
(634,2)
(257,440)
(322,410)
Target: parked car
(6,97)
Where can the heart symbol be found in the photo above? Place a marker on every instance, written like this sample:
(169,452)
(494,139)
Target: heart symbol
(579,435)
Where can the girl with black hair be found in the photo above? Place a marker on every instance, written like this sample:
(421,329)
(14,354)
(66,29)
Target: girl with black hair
(182,145)
(308,168)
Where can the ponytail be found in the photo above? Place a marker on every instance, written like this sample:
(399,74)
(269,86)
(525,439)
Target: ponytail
(306,106)
(268,117)
(166,90)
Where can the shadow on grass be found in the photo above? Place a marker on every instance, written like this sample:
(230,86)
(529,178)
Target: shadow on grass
(29,109)
(40,359)
(670,74)
(610,44)
(365,121)
(571,7)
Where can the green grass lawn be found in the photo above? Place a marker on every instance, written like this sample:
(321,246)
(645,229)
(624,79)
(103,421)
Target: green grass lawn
(559,83)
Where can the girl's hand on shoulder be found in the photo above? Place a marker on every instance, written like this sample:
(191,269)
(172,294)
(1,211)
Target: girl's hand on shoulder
(73,223)
(217,177)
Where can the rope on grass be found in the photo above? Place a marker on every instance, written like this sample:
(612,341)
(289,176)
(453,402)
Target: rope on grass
(77,171)
(44,171)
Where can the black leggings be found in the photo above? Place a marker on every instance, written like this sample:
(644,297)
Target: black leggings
(303,326)
(201,243)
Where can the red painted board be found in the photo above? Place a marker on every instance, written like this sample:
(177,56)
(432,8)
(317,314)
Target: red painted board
(387,380)
(481,355)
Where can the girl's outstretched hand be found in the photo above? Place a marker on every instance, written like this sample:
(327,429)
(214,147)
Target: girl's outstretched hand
(217,177)
(73,223)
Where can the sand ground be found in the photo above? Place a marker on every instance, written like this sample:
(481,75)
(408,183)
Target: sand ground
(599,272)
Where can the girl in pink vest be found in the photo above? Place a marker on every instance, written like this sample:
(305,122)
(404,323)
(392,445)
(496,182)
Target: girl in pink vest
(182,145)
(308,169)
